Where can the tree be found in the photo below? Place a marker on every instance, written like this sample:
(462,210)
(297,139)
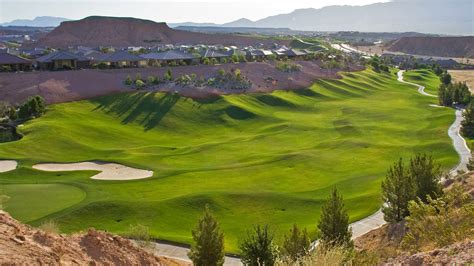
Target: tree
(208,247)
(128,80)
(334,222)
(398,189)
(467,125)
(258,248)
(426,173)
(168,75)
(296,244)
(33,106)
(445,78)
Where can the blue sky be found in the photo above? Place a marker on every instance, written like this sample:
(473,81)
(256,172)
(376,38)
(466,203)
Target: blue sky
(162,10)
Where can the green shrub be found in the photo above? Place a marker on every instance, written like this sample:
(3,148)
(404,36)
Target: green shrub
(128,81)
(139,84)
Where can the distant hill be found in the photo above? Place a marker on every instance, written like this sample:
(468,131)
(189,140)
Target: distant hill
(123,32)
(243,22)
(435,46)
(427,16)
(37,22)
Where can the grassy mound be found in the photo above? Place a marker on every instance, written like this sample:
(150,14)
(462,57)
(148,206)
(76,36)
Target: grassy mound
(253,158)
(425,78)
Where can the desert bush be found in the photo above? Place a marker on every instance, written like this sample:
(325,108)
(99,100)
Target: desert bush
(288,67)
(49,226)
(141,234)
(231,80)
(3,200)
(321,256)
(439,222)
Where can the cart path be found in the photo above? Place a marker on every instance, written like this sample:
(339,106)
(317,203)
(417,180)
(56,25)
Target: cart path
(358,228)
(376,220)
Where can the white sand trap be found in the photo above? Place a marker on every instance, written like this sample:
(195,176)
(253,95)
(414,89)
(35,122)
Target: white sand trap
(7,165)
(109,171)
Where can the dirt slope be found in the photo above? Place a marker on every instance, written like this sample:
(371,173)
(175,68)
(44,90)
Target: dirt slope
(122,32)
(65,86)
(435,46)
(22,244)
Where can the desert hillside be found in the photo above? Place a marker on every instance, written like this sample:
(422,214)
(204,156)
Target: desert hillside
(22,244)
(123,32)
(435,46)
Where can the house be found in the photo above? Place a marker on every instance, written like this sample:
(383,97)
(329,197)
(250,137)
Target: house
(258,55)
(34,53)
(236,52)
(62,60)
(121,59)
(9,62)
(213,54)
(295,54)
(170,57)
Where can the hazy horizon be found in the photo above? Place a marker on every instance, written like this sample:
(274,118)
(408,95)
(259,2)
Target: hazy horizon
(209,11)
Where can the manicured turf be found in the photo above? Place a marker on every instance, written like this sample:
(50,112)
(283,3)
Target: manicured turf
(264,158)
(33,201)
(425,78)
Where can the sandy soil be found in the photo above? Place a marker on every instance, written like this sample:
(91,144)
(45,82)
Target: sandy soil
(23,245)
(65,86)
(464,76)
(109,171)
(7,165)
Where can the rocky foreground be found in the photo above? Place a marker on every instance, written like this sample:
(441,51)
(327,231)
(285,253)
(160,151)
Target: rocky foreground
(23,245)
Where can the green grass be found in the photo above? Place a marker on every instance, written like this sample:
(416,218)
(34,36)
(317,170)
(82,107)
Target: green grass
(29,202)
(309,44)
(424,77)
(263,158)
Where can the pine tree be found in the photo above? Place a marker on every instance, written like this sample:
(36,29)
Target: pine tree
(398,189)
(334,222)
(467,125)
(258,248)
(208,247)
(426,173)
(296,244)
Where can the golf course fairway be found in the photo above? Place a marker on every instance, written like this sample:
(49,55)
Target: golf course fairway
(255,158)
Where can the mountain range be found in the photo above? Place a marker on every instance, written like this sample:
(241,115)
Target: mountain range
(453,17)
(43,21)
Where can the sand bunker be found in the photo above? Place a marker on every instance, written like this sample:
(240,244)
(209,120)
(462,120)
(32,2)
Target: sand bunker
(7,165)
(109,171)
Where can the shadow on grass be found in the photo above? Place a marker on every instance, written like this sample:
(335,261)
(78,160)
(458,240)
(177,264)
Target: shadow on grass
(144,108)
